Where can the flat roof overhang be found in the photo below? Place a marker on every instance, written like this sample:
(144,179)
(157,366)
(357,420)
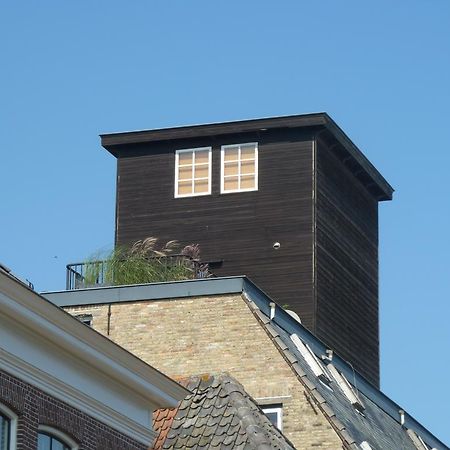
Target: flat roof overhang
(360,165)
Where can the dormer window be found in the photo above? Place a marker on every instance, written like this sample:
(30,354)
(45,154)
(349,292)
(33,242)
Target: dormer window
(193,172)
(239,168)
(274,413)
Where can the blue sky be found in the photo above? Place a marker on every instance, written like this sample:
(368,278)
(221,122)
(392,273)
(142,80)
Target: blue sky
(72,70)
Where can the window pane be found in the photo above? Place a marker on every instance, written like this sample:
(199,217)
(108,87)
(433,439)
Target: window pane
(231,184)
(247,167)
(184,187)
(44,442)
(202,156)
(201,171)
(274,414)
(248,151)
(57,445)
(273,417)
(201,186)
(185,173)
(248,182)
(231,169)
(47,442)
(231,154)
(4,433)
(192,164)
(185,158)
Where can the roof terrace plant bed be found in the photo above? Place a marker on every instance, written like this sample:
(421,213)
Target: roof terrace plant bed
(145,261)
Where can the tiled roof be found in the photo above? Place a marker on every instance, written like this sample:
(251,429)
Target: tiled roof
(218,414)
(371,424)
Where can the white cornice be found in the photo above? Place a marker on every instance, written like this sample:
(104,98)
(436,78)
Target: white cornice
(45,319)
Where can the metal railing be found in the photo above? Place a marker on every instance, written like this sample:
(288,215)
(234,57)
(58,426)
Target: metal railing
(94,273)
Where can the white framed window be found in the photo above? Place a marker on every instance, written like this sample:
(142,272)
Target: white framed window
(192,172)
(8,429)
(52,439)
(275,414)
(239,168)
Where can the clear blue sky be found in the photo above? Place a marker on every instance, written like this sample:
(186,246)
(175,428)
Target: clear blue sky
(73,69)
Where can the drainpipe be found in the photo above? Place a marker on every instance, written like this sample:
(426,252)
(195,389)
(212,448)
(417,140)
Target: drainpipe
(109,320)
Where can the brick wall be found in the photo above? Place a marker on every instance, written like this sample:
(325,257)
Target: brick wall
(34,407)
(191,336)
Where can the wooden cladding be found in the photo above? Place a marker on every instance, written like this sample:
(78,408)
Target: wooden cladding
(238,193)
(347,265)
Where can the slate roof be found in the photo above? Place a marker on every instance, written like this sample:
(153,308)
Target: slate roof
(217,414)
(377,424)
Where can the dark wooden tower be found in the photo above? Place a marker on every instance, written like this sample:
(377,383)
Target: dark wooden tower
(290,202)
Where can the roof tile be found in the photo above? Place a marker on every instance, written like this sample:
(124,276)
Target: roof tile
(218,414)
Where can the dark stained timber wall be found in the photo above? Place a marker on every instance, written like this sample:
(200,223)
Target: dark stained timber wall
(237,228)
(347,265)
(318,197)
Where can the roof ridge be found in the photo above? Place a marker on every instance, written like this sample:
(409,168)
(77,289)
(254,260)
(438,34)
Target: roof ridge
(217,408)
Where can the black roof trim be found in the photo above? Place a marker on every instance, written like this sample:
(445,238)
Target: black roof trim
(383,191)
(211,129)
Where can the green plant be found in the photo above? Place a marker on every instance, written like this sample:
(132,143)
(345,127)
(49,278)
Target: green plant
(146,261)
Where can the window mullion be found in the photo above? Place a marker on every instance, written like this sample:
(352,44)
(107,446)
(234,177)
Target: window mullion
(239,167)
(193,173)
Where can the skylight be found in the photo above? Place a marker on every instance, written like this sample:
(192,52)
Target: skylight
(346,387)
(310,358)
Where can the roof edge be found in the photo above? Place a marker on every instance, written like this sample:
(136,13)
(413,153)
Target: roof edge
(386,189)
(136,136)
(112,141)
(46,319)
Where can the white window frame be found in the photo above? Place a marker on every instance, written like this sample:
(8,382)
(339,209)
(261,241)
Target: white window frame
(222,168)
(177,157)
(275,409)
(58,434)
(12,426)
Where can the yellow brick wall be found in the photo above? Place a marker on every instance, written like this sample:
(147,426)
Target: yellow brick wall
(191,336)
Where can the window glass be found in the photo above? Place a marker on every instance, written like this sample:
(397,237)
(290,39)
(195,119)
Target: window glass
(239,167)
(193,172)
(5,426)
(274,414)
(47,442)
